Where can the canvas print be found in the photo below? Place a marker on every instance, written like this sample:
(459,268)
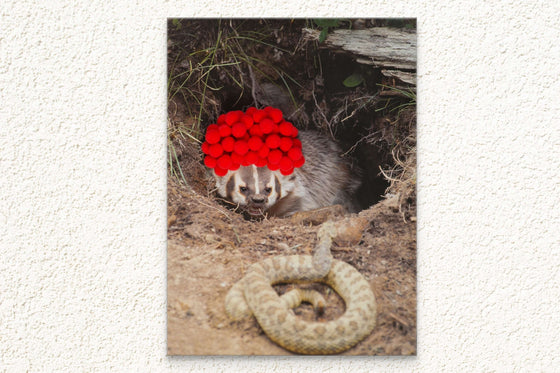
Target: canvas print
(291,186)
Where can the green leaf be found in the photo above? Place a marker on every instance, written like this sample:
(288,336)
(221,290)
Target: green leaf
(176,22)
(353,80)
(323,35)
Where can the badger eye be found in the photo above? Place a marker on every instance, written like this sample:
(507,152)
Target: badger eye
(268,190)
(243,189)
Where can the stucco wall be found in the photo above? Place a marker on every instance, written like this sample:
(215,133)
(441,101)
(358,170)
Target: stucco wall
(82,185)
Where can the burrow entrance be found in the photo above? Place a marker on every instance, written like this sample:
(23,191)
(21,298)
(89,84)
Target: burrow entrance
(220,66)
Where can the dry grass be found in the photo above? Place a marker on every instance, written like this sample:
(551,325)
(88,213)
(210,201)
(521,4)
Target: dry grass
(402,139)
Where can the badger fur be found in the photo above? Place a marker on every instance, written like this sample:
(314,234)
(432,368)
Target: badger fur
(324,180)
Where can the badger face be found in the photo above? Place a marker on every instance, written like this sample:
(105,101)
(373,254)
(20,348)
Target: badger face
(253,189)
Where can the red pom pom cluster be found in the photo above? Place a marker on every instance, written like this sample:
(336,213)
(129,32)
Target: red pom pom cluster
(259,137)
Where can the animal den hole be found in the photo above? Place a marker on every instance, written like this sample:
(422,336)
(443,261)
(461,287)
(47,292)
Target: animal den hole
(355,140)
(334,307)
(365,161)
(368,160)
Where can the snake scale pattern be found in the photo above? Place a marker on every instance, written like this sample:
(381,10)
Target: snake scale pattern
(254,294)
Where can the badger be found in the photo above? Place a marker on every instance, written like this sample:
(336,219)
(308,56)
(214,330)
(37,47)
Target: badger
(324,180)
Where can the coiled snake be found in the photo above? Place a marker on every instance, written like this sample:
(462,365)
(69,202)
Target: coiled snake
(253,294)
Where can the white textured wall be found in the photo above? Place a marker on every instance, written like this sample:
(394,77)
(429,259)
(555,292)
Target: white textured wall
(82,185)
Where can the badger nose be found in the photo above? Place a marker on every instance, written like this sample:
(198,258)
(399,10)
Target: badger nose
(258,198)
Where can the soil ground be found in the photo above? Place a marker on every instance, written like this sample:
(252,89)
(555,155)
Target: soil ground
(210,247)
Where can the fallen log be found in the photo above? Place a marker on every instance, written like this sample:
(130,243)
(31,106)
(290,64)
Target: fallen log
(391,50)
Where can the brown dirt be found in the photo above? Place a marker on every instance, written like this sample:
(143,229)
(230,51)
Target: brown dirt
(210,248)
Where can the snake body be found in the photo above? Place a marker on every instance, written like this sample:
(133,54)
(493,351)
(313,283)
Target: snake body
(254,294)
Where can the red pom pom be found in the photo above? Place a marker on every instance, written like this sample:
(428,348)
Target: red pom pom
(224,130)
(274,156)
(205,147)
(224,161)
(261,162)
(263,151)
(209,161)
(259,137)
(285,163)
(251,158)
(221,119)
(286,143)
(220,171)
(236,158)
(286,172)
(212,127)
(240,147)
(233,116)
(256,130)
(255,143)
(247,120)
(238,129)
(286,128)
(294,154)
(258,115)
(274,114)
(272,141)
(212,136)
(227,144)
(216,150)
(299,162)
(294,132)
(267,125)
(250,110)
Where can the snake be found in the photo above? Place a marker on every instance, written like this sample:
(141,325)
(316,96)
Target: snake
(254,295)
